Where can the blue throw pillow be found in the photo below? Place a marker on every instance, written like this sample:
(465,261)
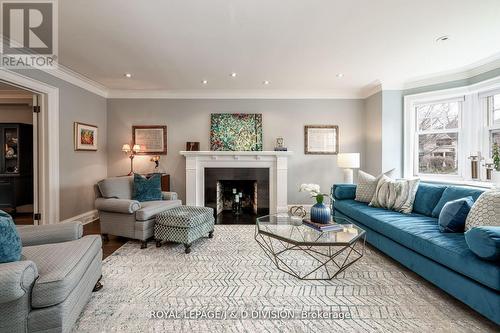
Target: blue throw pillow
(10,243)
(453,215)
(484,242)
(427,198)
(454,193)
(147,189)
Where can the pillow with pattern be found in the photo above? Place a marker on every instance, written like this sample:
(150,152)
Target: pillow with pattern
(367,184)
(397,195)
(485,211)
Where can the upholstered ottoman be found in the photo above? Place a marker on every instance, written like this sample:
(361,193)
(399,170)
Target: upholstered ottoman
(184,224)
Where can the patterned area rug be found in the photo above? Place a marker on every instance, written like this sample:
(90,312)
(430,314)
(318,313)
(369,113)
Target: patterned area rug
(227,284)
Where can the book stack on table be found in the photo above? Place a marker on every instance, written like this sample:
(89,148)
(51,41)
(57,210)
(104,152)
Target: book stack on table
(323,226)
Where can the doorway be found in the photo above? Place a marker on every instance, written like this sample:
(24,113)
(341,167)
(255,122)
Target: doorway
(18,154)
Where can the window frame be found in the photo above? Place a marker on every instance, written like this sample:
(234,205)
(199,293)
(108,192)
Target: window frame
(475,137)
(458,131)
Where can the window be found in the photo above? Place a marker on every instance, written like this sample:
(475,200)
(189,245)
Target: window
(494,105)
(437,137)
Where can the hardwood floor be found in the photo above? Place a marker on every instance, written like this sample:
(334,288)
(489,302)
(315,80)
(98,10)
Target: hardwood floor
(108,247)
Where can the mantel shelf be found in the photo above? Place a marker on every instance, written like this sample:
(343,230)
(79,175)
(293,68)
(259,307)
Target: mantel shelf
(236,153)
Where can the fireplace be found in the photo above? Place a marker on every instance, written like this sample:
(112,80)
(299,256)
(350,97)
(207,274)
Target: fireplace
(237,195)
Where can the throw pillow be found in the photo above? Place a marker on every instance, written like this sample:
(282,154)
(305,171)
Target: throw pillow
(147,189)
(10,243)
(453,193)
(484,242)
(397,195)
(367,184)
(485,212)
(453,215)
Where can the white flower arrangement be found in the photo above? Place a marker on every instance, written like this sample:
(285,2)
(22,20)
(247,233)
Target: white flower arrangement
(315,192)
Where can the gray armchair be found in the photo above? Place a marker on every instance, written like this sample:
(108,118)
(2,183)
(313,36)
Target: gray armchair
(121,216)
(49,287)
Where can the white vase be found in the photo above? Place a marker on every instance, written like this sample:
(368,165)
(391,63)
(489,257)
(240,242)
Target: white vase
(495,177)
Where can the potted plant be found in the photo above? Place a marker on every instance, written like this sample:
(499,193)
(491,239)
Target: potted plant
(320,213)
(495,175)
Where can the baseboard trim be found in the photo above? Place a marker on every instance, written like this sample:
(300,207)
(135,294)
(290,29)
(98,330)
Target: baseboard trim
(85,218)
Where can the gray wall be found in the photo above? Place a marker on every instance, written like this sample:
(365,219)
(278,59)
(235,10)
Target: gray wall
(392,131)
(78,170)
(189,120)
(372,161)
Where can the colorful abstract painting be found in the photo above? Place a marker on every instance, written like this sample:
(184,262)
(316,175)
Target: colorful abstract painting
(236,131)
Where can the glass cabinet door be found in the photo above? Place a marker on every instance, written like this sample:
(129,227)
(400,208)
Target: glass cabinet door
(11,150)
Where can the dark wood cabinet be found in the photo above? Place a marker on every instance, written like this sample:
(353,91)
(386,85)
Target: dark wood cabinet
(16,165)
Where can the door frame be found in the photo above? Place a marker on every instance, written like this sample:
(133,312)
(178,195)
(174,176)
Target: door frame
(48,136)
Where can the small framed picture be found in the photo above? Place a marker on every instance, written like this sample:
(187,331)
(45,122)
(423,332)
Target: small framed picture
(321,139)
(85,136)
(151,138)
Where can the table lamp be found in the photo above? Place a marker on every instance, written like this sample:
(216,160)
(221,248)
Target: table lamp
(132,152)
(348,161)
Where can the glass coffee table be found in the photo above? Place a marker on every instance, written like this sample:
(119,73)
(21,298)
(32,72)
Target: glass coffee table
(306,253)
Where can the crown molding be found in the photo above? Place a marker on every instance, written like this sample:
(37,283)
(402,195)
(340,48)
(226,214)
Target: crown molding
(66,74)
(371,89)
(233,94)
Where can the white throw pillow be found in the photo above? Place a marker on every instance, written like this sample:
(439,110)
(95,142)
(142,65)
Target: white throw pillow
(485,211)
(397,195)
(367,184)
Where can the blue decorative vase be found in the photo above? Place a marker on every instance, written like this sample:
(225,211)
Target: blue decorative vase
(320,213)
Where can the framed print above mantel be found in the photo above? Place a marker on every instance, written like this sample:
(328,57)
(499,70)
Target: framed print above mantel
(151,138)
(321,139)
(85,137)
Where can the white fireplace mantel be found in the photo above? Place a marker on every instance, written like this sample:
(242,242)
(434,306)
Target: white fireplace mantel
(275,161)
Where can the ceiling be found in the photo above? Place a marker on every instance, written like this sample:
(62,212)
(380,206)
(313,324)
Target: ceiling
(297,45)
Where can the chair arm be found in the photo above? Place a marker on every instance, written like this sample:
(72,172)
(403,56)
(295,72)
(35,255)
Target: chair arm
(169,195)
(51,233)
(344,191)
(123,206)
(16,279)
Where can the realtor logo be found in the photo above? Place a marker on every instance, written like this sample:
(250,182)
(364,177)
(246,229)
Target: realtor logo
(29,34)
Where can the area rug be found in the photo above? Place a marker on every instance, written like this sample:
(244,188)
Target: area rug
(227,284)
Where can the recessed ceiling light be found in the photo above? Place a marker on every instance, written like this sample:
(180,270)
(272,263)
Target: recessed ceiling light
(233,74)
(265,82)
(128,75)
(204,81)
(339,75)
(443,38)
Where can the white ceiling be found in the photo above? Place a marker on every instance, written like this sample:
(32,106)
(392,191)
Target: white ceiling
(298,45)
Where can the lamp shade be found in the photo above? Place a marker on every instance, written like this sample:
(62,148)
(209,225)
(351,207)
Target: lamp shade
(126,147)
(348,160)
(136,148)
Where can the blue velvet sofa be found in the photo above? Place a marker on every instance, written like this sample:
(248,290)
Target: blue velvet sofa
(415,241)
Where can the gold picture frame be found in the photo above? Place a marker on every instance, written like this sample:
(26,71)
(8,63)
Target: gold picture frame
(85,136)
(321,139)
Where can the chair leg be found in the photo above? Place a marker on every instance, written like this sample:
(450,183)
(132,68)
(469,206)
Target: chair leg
(187,248)
(105,237)
(158,243)
(211,234)
(144,244)
(98,286)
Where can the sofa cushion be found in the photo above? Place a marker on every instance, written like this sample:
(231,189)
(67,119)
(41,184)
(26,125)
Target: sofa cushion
(486,211)
(10,243)
(344,191)
(367,185)
(453,193)
(453,215)
(484,242)
(151,208)
(60,267)
(427,197)
(421,234)
(116,187)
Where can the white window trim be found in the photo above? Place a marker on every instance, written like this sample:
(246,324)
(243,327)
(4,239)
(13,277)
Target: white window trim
(470,142)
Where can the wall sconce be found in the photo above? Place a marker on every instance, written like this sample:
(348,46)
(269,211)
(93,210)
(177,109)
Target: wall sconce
(131,154)
(156,159)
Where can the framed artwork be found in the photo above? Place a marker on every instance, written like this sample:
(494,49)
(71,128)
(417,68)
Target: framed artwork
(151,138)
(192,146)
(321,139)
(236,131)
(85,136)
